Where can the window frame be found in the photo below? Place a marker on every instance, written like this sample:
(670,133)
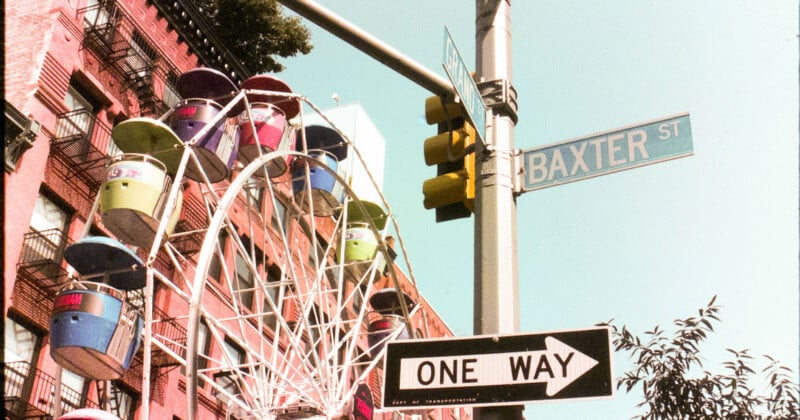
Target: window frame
(226,378)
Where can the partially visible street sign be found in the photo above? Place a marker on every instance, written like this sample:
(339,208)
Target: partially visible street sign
(498,370)
(608,152)
(465,86)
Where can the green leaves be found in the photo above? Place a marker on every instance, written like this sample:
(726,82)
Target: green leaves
(256,31)
(663,364)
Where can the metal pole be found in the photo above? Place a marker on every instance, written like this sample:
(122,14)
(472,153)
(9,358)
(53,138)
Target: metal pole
(496,275)
(371,46)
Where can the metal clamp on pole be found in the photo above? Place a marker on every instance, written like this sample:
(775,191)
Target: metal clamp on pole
(518,171)
(501,97)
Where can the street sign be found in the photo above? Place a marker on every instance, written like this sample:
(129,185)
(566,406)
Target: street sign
(498,370)
(607,152)
(465,86)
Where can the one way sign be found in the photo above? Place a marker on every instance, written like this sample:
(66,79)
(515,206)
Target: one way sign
(498,370)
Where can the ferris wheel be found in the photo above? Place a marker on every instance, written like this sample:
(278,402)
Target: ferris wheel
(292,293)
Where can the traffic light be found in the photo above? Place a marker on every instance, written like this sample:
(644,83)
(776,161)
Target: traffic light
(452,192)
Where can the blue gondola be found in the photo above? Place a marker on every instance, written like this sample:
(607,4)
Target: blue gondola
(325,146)
(93,331)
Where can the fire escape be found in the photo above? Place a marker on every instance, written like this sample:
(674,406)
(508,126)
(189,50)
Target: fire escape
(83,144)
(191,228)
(39,273)
(125,51)
(28,393)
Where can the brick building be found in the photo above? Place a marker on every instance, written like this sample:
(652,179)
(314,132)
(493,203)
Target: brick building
(272,340)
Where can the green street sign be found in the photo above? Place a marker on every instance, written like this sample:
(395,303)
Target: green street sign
(465,87)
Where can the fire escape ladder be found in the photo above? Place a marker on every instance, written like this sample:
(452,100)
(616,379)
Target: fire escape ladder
(125,50)
(159,94)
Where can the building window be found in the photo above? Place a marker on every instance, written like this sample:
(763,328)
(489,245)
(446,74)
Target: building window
(203,345)
(316,319)
(170,95)
(227,378)
(320,258)
(48,215)
(121,401)
(99,26)
(253,192)
(97,15)
(244,281)
(73,390)
(47,237)
(279,216)
(138,63)
(274,291)
(80,123)
(21,347)
(20,342)
(76,100)
(217,260)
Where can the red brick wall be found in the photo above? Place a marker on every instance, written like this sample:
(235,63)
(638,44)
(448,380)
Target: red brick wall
(26,26)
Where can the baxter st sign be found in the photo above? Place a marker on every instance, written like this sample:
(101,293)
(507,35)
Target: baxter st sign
(608,152)
(498,370)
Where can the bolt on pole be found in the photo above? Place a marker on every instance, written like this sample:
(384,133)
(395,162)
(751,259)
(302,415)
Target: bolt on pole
(496,274)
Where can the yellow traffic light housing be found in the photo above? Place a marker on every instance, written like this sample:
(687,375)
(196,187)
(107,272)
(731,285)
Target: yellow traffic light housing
(452,192)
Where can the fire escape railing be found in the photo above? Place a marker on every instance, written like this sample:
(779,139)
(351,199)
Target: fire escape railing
(28,393)
(43,247)
(85,144)
(42,252)
(171,333)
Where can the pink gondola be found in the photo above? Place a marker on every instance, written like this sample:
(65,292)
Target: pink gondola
(270,113)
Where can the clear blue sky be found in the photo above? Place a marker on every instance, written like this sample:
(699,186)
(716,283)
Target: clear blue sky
(644,246)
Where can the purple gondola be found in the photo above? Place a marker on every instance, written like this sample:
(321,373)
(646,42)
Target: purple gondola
(207,92)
